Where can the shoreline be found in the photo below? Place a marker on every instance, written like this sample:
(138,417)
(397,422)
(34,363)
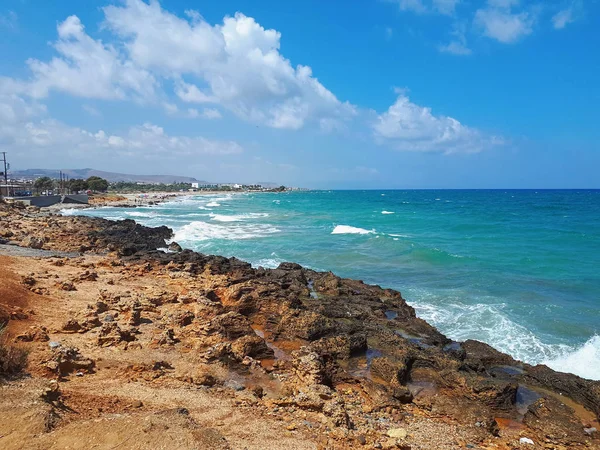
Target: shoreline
(349,358)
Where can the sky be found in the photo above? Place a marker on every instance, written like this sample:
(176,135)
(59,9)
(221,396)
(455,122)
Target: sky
(319,94)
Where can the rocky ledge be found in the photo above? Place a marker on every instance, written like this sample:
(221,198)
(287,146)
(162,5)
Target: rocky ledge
(343,364)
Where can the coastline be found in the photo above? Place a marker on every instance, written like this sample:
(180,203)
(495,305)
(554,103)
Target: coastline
(350,359)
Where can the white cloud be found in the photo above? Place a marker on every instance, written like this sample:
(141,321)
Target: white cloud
(498,21)
(406,126)
(458,45)
(566,16)
(237,64)
(91,110)
(25,132)
(211,113)
(9,20)
(428,6)
(87,68)
(456,48)
(445,6)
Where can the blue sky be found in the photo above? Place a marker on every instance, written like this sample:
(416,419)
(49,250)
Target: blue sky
(370,94)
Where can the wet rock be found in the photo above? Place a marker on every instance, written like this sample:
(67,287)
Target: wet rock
(127,237)
(175,247)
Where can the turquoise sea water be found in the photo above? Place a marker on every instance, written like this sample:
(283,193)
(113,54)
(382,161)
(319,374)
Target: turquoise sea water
(519,270)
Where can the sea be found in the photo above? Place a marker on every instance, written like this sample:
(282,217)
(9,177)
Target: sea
(517,269)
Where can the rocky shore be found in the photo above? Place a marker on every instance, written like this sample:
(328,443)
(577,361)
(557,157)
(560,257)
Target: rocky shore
(131,347)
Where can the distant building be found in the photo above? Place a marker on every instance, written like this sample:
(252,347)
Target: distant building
(195,185)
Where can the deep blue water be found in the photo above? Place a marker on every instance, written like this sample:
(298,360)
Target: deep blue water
(518,269)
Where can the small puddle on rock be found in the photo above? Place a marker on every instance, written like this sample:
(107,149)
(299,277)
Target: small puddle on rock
(581,412)
(412,339)
(280,351)
(360,366)
(507,370)
(311,288)
(452,347)
(525,398)
(508,424)
(422,388)
(391,315)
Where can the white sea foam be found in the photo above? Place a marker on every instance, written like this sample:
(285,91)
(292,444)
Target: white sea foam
(237,217)
(488,323)
(583,361)
(347,229)
(213,204)
(388,212)
(141,214)
(203,231)
(267,263)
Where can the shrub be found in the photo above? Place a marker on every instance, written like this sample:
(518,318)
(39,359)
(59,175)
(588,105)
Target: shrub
(13,359)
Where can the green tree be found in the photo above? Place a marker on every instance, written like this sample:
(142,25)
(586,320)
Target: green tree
(78,184)
(97,184)
(43,184)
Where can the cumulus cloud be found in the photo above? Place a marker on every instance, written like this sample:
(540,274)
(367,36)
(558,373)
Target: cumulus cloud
(88,68)
(236,64)
(406,126)
(24,130)
(566,16)
(498,21)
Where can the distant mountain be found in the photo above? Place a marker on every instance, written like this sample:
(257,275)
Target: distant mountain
(110,176)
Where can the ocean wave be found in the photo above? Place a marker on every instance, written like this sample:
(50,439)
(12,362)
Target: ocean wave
(388,212)
(237,217)
(347,229)
(267,263)
(213,204)
(203,231)
(488,323)
(583,361)
(140,214)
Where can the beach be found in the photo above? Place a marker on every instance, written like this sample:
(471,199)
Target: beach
(141,347)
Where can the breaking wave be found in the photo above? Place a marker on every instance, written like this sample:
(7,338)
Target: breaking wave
(347,229)
(203,231)
(488,323)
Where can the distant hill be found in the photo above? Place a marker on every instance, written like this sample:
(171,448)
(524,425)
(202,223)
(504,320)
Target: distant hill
(110,176)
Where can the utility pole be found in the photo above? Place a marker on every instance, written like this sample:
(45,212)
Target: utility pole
(5,173)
